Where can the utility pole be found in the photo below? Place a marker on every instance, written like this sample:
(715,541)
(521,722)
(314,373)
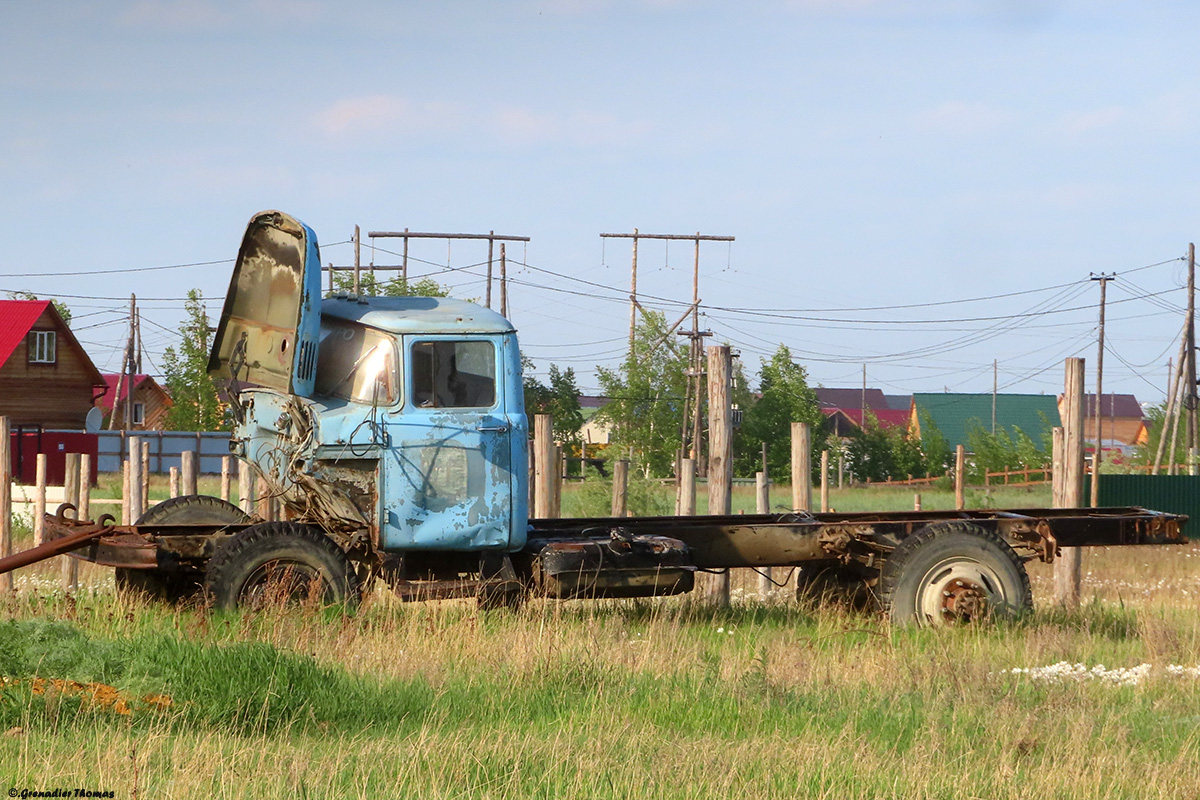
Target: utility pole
(357,262)
(1190,399)
(503,282)
(488,292)
(406,235)
(995,389)
(693,401)
(1097,457)
(129,365)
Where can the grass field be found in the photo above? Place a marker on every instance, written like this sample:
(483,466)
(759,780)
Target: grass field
(658,699)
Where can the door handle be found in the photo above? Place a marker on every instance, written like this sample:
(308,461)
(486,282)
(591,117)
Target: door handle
(492,429)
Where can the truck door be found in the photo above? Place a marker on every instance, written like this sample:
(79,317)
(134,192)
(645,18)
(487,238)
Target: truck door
(447,482)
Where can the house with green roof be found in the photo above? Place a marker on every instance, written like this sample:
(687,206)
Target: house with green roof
(956,414)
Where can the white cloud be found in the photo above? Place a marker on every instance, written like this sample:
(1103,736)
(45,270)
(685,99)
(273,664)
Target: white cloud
(958,117)
(1081,122)
(174,15)
(371,115)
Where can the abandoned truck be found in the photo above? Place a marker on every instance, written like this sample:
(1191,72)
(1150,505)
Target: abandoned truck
(392,432)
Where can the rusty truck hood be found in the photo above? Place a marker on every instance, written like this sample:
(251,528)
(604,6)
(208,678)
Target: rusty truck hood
(270,324)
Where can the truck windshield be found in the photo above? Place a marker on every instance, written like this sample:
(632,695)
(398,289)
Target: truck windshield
(356,363)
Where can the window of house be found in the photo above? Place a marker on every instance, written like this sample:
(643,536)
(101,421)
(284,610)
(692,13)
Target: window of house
(42,347)
(454,374)
(139,413)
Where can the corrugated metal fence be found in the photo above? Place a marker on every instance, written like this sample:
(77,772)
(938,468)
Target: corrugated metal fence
(165,449)
(1174,494)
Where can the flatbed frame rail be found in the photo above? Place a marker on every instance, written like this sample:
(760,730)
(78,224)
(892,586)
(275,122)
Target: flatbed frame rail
(714,542)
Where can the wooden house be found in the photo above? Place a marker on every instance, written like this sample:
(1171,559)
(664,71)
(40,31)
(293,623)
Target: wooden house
(150,403)
(46,377)
(1121,420)
(955,415)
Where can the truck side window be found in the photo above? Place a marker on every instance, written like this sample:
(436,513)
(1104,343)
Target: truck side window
(454,374)
(356,363)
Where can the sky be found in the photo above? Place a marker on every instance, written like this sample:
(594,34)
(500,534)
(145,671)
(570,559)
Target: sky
(923,187)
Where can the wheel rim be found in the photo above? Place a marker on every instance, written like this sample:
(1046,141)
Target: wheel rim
(280,582)
(958,591)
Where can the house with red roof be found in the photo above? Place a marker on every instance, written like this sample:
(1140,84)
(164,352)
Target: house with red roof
(46,377)
(843,409)
(150,403)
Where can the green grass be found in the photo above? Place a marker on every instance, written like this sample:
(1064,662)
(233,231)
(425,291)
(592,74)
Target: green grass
(632,699)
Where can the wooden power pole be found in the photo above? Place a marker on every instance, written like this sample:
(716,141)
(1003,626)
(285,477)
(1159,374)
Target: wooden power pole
(720,452)
(1098,456)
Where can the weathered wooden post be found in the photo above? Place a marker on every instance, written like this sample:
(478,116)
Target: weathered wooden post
(137,479)
(1068,569)
(762,505)
(6,545)
(70,567)
(557,486)
(85,486)
(916,501)
(145,477)
(801,467)
(720,454)
(543,466)
(125,492)
(226,483)
(173,481)
(687,487)
(620,494)
(824,481)
(39,502)
(960,477)
(245,487)
(264,508)
(189,483)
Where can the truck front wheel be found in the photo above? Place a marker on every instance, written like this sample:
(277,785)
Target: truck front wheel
(278,563)
(953,572)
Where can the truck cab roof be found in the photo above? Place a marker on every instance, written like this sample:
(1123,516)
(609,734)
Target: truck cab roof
(416,315)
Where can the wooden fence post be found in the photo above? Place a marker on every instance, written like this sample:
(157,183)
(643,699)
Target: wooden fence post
(543,466)
(39,502)
(557,485)
(6,545)
(916,501)
(189,483)
(687,487)
(173,481)
(762,505)
(1068,569)
(137,480)
(125,492)
(85,486)
(245,487)
(226,469)
(70,567)
(264,508)
(824,481)
(145,474)
(801,467)
(960,477)
(620,494)
(720,454)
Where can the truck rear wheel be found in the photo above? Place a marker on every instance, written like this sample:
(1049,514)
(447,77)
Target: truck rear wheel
(280,562)
(175,586)
(953,572)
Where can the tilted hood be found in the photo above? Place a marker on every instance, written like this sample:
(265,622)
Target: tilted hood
(271,320)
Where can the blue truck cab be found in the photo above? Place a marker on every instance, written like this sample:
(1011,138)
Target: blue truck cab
(395,421)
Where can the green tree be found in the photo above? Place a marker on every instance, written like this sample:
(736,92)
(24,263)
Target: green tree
(59,306)
(785,397)
(369,285)
(647,393)
(560,399)
(197,406)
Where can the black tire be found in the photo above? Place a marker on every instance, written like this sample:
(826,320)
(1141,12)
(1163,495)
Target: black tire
(193,508)
(280,562)
(174,586)
(953,572)
(832,584)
